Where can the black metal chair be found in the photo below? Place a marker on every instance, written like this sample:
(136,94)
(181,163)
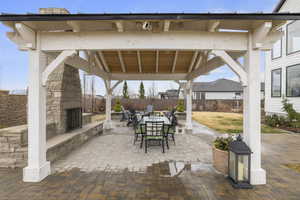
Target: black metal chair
(132,113)
(154,132)
(171,129)
(139,130)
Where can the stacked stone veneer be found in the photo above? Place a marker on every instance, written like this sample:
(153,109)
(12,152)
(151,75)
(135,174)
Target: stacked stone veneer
(12,109)
(13,143)
(13,146)
(63,92)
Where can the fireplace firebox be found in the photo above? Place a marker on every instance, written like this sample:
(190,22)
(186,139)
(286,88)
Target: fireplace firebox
(74,119)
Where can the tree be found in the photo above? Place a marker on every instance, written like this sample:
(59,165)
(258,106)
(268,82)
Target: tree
(125,91)
(142,91)
(152,91)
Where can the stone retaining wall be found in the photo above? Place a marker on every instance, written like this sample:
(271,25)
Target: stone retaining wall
(78,137)
(13,143)
(12,110)
(13,146)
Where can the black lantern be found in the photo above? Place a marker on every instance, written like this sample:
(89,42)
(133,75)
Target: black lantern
(239,160)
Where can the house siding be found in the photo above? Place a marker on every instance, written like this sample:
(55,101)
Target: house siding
(220,95)
(290,6)
(273,105)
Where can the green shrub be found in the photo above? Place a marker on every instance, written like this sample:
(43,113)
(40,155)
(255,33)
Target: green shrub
(117,107)
(222,143)
(276,121)
(292,115)
(180,106)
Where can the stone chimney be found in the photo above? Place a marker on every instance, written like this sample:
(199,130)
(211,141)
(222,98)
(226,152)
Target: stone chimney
(53,11)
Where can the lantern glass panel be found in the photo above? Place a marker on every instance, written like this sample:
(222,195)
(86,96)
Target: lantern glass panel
(232,169)
(243,167)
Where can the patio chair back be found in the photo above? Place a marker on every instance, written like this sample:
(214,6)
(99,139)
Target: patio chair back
(173,120)
(135,121)
(154,128)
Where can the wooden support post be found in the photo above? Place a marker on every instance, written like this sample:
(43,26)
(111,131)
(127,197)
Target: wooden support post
(252,113)
(188,94)
(108,124)
(38,167)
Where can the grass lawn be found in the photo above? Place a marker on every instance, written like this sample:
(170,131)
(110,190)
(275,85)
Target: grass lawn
(295,167)
(227,122)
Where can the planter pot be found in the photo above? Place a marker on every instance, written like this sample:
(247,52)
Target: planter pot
(180,115)
(116,116)
(220,160)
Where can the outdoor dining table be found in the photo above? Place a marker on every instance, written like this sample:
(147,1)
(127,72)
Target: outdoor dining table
(155,119)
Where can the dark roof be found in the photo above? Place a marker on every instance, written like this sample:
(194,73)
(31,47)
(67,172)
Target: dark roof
(170,93)
(279,5)
(220,85)
(150,16)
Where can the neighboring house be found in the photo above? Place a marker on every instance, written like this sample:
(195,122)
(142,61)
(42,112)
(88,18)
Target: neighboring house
(219,89)
(282,74)
(98,96)
(169,94)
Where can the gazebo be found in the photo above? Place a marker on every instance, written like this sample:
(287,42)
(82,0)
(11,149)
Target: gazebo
(173,46)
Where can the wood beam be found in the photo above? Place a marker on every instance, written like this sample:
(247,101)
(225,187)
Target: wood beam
(121,61)
(199,61)
(193,61)
(98,62)
(119,25)
(16,38)
(235,66)
(147,76)
(271,38)
(115,85)
(174,62)
(74,25)
(27,34)
(167,25)
(189,40)
(138,54)
(84,65)
(260,34)
(211,65)
(157,61)
(213,25)
(55,63)
(103,61)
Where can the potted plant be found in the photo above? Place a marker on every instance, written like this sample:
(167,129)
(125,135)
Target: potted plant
(220,154)
(180,114)
(117,110)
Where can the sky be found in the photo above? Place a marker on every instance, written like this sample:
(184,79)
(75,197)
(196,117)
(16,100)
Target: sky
(14,63)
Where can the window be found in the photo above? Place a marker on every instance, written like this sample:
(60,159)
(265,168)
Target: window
(276,83)
(293,37)
(293,81)
(194,95)
(277,49)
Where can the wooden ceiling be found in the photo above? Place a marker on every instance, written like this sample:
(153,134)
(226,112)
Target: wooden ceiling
(147,61)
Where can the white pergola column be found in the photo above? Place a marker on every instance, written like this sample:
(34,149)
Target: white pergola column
(38,167)
(252,113)
(107,123)
(188,91)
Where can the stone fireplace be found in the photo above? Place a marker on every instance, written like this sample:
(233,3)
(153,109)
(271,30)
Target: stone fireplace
(63,95)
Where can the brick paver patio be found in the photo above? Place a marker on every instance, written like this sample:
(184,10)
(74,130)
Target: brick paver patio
(86,175)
